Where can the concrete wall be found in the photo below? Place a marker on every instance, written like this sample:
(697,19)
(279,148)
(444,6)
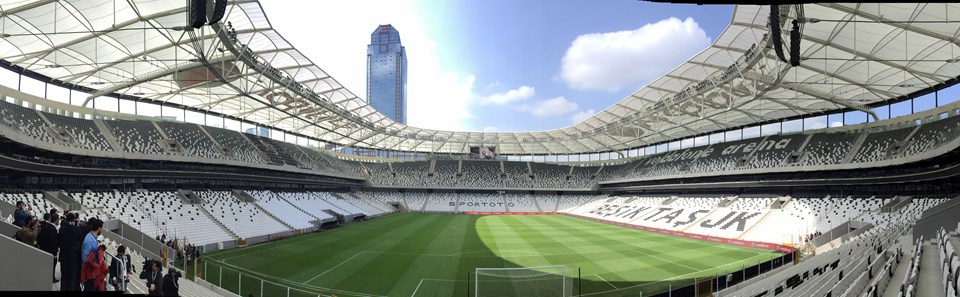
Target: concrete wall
(152,254)
(210,247)
(6,210)
(7,229)
(215,289)
(25,268)
(945,215)
(137,237)
(839,235)
(263,238)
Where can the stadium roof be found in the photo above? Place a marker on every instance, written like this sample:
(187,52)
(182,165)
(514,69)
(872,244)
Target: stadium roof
(851,55)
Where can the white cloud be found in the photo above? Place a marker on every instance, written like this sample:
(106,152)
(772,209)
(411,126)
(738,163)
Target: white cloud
(582,115)
(549,107)
(515,95)
(816,125)
(490,129)
(616,60)
(836,124)
(443,106)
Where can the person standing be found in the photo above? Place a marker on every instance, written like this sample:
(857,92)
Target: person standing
(69,240)
(21,214)
(170,285)
(48,240)
(31,228)
(95,270)
(88,255)
(155,279)
(120,270)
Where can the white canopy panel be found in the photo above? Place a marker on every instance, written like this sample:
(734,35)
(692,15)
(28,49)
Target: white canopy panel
(852,55)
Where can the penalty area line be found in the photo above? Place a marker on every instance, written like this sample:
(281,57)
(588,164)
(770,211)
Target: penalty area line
(417,289)
(604,280)
(434,280)
(334,267)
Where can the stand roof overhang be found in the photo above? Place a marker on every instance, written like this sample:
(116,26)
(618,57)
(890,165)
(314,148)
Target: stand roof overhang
(856,55)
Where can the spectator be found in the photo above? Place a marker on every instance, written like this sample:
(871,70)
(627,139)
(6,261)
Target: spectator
(69,240)
(28,234)
(48,240)
(196,253)
(84,227)
(187,252)
(94,266)
(155,279)
(170,285)
(88,253)
(120,270)
(21,213)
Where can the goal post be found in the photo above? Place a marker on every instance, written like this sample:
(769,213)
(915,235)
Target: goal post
(522,281)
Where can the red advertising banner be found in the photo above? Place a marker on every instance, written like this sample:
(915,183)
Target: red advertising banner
(509,213)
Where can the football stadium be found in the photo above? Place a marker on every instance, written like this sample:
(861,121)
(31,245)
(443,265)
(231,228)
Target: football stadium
(188,148)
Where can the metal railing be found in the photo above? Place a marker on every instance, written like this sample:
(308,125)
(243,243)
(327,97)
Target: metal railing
(245,282)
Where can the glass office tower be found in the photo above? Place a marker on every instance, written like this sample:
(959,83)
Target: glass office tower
(387,73)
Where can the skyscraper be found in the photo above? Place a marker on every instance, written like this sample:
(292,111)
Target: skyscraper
(387,73)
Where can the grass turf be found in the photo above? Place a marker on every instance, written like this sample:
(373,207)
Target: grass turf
(431,254)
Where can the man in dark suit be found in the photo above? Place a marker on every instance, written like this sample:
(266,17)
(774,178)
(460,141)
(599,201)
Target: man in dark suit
(155,279)
(48,240)
(70,238)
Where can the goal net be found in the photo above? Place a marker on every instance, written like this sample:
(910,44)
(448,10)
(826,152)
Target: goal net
(528,281)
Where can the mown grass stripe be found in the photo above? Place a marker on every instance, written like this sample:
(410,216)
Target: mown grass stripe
(392,256)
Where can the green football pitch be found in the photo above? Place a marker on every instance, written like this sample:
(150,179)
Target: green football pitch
(415,254)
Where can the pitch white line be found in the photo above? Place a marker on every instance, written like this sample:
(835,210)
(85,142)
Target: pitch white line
(417,289)
(292,284)
(655,257)
(334,267)
(604,280)
(257,251)
(246,251)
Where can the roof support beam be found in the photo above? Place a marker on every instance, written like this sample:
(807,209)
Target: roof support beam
(808,91)
(912,72)
(892,23)
(94,35)
(101,67)
(153,76)
(25,7)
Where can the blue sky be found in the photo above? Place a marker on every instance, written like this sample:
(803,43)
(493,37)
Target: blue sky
(506,65)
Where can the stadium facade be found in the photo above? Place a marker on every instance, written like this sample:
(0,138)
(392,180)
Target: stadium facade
(722,151)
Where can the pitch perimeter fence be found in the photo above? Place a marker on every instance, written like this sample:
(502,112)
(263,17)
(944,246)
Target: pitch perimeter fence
(244,282)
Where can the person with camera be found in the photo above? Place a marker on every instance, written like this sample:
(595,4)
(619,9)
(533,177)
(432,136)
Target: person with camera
(154,278)
(21,214)
(170,285)
(120,270)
